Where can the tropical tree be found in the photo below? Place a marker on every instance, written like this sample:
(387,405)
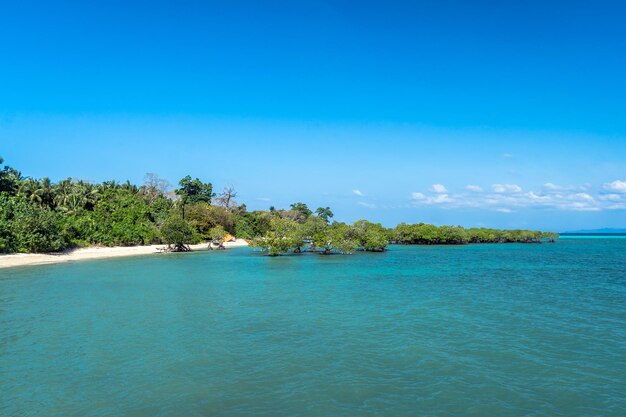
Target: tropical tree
(339,238)
(205,217)
(371,237)
(324,213)
(302,209)
(178,234)
(283,235)
(193,191)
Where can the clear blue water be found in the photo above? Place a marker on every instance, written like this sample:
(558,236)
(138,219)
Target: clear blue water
(477,330)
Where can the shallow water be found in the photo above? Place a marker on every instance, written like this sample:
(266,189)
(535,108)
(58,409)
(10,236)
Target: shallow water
(477,330)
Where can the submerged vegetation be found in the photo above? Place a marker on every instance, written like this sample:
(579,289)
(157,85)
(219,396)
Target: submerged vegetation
(37,215)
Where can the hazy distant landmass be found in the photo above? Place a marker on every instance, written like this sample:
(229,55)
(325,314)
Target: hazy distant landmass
(596,231)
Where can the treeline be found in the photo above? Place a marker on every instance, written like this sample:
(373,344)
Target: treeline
(37,215)
(427,234)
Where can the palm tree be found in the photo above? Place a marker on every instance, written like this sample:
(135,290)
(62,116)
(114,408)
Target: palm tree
(63,194)
(46,191)
(130,187)
(31,190)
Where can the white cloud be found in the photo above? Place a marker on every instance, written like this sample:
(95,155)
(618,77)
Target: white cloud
(511,197)
(264,199)
(439,188)
(506,188)
(358,192)
(616,186)
(474,188)
(504,210)
(538,197)
(583,197)
(441,198)
(436,199)
(552,187)
(610,197)
(368,205)
(507,155)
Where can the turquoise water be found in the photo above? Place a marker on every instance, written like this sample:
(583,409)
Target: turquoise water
(477,330)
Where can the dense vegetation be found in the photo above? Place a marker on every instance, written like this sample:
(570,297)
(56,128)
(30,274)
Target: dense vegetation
(427,234)
(37,215)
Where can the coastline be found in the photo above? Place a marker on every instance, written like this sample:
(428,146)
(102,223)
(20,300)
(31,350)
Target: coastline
(94,252)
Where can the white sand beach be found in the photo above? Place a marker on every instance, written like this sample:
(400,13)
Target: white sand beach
(25,259)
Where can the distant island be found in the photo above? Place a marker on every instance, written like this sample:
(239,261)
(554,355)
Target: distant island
(39,216)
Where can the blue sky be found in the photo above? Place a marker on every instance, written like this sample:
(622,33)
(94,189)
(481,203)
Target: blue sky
(379,110)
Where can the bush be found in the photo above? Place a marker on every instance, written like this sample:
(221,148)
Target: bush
(177,233)
(25,227)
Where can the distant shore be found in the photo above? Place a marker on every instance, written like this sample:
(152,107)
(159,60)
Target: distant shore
(26,259)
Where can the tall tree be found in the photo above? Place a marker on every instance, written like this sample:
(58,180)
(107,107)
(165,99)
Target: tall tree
(324,213)
(301,208)
(193,191)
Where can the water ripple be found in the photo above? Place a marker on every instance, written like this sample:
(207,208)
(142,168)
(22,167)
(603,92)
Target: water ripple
(483,330)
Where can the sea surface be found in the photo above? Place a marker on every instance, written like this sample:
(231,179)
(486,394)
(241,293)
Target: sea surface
(475,330)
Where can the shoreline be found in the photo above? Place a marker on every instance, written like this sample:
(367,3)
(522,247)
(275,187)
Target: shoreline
(94,252)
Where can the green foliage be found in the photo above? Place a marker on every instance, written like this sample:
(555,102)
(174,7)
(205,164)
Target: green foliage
(343,240)
(38,215)
(195,191)
(550,236)
(312,226)
(216,234)
(160,209)
(176,231)
(299,212)
(427,234)
(244,228)
(302,209)
(371,236)
(123,218)
(325,213)
(81,228)
(9,179)
(72,196)
(283,235)
(26,227)
(257,223)
(205,217)
(339,237)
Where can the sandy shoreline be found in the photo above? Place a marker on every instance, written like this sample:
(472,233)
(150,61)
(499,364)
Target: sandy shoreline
(25,259)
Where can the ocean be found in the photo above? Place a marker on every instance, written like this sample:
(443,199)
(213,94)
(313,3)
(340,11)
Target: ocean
(473,330)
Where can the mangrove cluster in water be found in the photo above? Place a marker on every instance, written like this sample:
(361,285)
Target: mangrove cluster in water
(427,234)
